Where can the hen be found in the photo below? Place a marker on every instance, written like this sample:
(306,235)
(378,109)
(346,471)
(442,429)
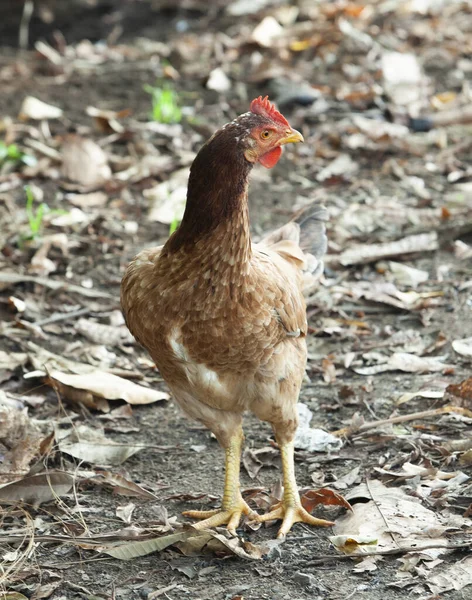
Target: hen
(225,319)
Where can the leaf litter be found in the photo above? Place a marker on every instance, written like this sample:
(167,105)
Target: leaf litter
(386,121)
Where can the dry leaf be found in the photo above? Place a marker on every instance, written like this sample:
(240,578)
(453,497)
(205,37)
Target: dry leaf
(35,109)
(37,489)
(454,577)
(123,486)
(110,387)
(130,550)
(125,512)
(463,347)
(313,440)
(93,447)
(349,544)
(461,393)
(409,363)
(267,32)
(84,162)
(392,518)
(366,253)
(218,81)
(342,166)
(312,498)
(9,361)
(98,333)
(434,394)
(167,199)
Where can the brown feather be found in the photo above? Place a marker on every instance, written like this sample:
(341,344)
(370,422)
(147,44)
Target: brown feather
(223,319)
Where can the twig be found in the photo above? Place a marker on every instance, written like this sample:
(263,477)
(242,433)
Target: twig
(53,284)
(353,429)
(318,560)
(62,317)
(377,506)
(23,35)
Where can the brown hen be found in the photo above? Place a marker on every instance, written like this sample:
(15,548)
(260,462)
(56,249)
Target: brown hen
(225,319)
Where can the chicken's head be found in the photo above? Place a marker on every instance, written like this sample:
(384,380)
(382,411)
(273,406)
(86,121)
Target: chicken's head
(266,132)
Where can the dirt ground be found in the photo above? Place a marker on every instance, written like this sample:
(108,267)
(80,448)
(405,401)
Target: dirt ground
(390,188)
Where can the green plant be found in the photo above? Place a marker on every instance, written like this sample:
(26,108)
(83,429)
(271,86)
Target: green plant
(35,216)
(173,226)
(165,107)
(11,153)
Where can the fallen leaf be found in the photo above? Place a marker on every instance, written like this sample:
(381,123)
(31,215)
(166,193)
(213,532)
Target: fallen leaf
(93,447)
(312,498)
(390,516)
(33,108)
(407,276)
(268,30)
(167,199)
(366,253)
(98,333)
(342,166)
(349,544)
(131,550)
(218,81)
(45,591)
(313,440)
(434,394)
(254,460)
(124,486)
(463,346)
(9,361)
(84,162)
(461,393)
(408,363)
(403,78)
(111,387)
(37,489)
(125,512)
(454,577)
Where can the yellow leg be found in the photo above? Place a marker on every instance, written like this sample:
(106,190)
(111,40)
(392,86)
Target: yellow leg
(233,505)
(290,510)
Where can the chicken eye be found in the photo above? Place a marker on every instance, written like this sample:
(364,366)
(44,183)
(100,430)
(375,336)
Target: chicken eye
(265,134)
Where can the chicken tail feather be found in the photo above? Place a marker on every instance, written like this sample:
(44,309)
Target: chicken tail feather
(313,238)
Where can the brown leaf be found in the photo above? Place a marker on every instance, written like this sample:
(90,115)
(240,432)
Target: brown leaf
(45,591)
(84,162)
(123,486)
(461,393)
(312,498)
(100,384)
(37,489)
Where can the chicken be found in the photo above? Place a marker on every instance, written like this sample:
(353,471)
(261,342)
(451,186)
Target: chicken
(225,319)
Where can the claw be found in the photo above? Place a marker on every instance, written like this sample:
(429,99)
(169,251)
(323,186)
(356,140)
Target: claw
(291,514)
(230,517)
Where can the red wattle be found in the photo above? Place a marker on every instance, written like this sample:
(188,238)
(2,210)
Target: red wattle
(271,158)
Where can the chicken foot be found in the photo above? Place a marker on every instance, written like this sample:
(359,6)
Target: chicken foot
(233,505)
(290,509)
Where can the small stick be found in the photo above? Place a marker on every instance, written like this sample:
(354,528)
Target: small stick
(23,35)
(352,429)
(393,552)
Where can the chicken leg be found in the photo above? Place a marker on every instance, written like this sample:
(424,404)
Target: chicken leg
(233,505)
(290,509)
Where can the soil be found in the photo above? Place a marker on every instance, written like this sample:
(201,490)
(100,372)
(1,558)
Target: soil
(183,458)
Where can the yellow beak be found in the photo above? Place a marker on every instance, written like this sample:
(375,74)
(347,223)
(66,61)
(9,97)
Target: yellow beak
(293,136)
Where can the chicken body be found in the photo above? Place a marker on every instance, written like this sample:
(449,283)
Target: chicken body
(225,319)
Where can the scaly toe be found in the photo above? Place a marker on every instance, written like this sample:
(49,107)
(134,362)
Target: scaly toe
(291,514)
(230,517)
(297,514)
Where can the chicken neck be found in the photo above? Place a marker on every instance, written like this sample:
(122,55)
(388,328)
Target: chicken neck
(216,213)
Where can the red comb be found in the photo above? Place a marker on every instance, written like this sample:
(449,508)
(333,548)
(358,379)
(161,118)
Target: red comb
(262,106)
